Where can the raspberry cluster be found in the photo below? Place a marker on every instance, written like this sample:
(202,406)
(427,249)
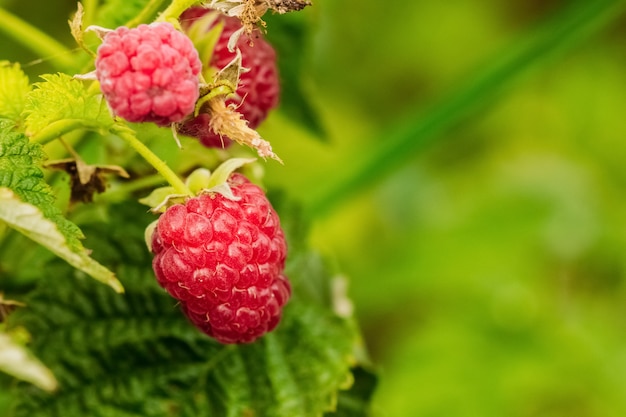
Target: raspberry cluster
(258,90)
(223,259)
(220,254)
(149,73)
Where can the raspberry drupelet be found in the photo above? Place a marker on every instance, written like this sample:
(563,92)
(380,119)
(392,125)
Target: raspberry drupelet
(149,73)
(223,259)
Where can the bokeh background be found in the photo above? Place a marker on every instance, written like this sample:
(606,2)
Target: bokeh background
(468,175)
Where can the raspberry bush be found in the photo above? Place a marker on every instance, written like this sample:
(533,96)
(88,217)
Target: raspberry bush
(524,198)
(209,301)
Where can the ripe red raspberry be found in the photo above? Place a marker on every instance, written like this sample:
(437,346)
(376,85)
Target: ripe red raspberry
(149,73)
(223,259)
(258,90)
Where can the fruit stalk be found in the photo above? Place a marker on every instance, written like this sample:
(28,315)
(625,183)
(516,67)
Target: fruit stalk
(159,165)
(174,10)
(61,127)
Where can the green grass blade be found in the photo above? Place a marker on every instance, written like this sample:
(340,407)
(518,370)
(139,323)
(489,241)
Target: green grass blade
(37,41)
(568,28)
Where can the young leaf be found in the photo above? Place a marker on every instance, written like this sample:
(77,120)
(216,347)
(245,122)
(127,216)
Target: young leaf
(27,204)
(136,354)
(14,86)
(15,360)
(77,30)
(60,98)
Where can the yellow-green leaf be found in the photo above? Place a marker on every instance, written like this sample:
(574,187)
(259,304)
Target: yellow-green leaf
(60,97)
(17,361)
(14,86)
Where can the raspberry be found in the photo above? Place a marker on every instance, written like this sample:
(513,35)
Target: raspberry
(223,259)
(258,90)
(149,73)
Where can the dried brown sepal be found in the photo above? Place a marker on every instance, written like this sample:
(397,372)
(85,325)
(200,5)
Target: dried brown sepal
(86,180)
(250,12)
(231,73)
(226,121)
(286,6)
(251,15)
(7,307)
(76,29)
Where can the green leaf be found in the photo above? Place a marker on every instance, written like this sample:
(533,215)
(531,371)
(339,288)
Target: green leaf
(20,172)
(27,205)
(288,34)
(61,98)
(14,86)
(15,360)
(136,354)
(114,13)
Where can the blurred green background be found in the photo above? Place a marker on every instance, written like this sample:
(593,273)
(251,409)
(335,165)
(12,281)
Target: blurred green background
(471,184)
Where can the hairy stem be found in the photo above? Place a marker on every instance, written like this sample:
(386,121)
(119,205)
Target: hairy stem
(122,191)
(175,9)
(61,127)
(159,165)
(37,41)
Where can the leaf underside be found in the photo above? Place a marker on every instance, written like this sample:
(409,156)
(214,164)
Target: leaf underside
(17,361)
(20,172)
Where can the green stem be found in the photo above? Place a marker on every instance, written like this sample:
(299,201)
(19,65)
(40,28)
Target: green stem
(175,9)
(397,146)
(36,40)
(119,192)
(146,14)
(159,165)
(61,127)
